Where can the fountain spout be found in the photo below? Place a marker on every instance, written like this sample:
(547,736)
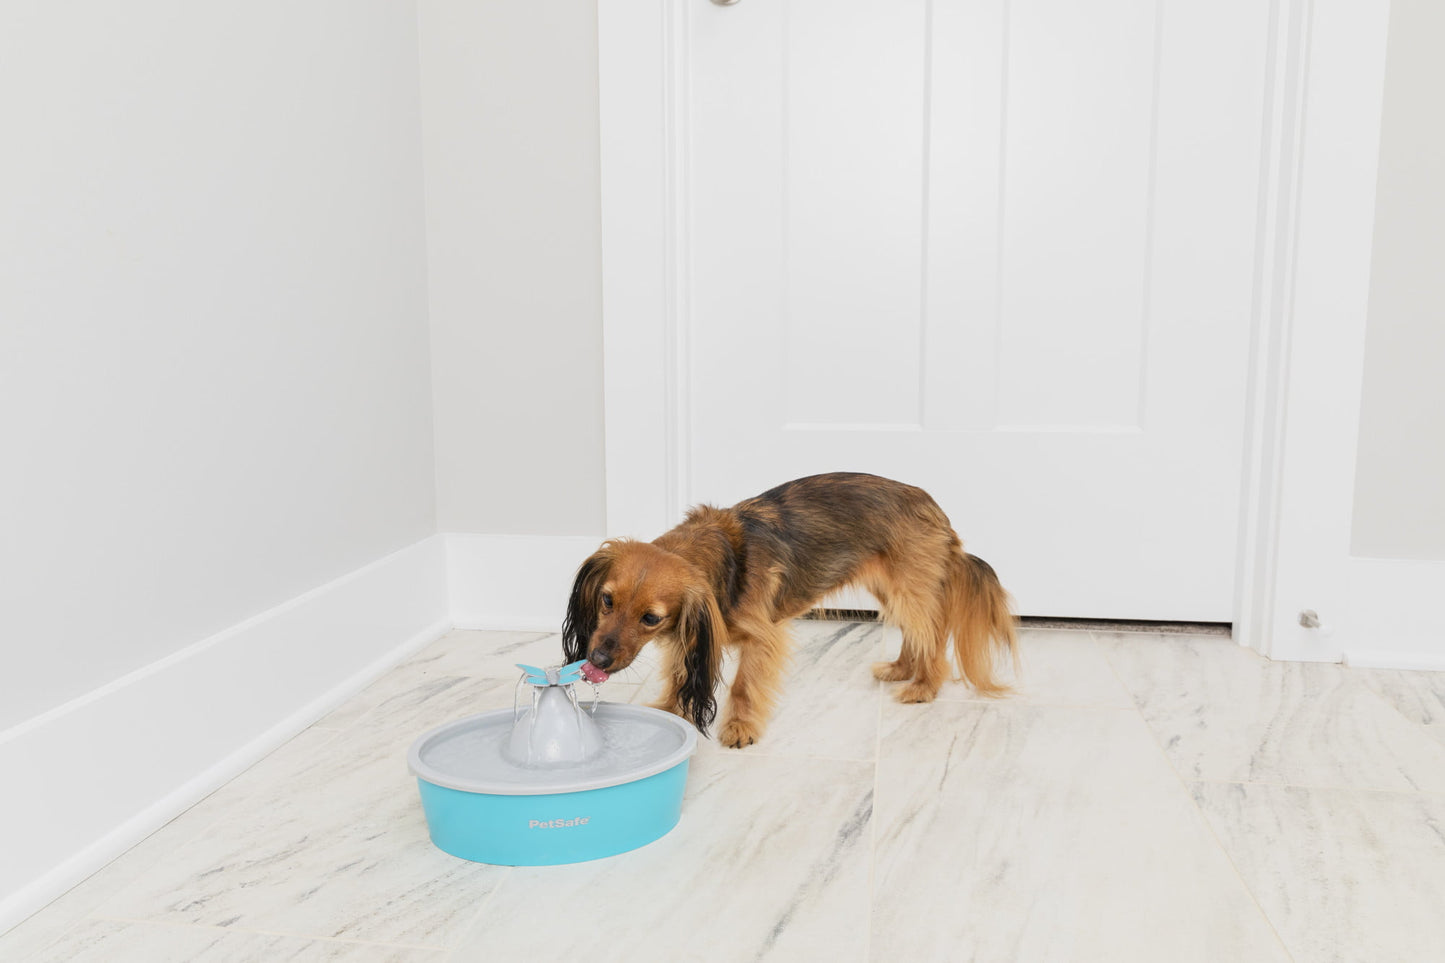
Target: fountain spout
(555,730)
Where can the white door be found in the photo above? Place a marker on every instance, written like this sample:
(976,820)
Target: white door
(1002,250)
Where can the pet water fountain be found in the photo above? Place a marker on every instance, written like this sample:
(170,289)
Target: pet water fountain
(552,782)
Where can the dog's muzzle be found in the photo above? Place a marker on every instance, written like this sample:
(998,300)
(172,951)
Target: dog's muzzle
(594,670)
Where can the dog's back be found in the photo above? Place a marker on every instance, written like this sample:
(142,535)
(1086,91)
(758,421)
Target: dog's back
(825,531)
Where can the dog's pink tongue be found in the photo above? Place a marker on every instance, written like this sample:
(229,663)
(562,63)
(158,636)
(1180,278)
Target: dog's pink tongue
(592,673)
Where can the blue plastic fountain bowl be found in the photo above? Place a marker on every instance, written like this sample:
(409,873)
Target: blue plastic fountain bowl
(483,807)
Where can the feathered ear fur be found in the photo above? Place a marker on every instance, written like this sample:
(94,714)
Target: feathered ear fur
(700,636)
(584,602)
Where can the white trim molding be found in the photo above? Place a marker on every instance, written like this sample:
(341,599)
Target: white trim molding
(1304,595)
(1319,601)
(1280,162)
(98,774)
(639,271)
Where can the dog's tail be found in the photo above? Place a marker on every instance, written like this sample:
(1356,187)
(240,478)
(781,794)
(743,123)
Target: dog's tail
(980,621)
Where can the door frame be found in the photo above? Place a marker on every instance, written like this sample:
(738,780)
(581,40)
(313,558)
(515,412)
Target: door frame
(1370,611)
(1325,79)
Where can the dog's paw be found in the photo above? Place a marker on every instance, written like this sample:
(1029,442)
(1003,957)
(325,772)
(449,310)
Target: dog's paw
(891,672)
(917,692)
(736,734)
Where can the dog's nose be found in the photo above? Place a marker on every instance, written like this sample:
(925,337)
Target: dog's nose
(600,659)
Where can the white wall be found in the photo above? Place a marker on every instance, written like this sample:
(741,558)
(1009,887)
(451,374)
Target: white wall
(214,386)
(1399,508)
(509,104)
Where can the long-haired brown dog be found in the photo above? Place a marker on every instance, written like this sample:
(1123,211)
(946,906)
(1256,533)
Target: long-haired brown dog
(734,576)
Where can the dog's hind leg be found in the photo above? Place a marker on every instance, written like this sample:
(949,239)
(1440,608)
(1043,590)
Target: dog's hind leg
(913,600)
(874,579)
(925,647)
(762,655)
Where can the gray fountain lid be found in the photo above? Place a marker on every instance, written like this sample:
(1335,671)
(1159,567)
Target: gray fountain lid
(469,754)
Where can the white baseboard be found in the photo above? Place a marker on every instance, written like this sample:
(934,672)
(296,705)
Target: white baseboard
(513,581)
(88,779)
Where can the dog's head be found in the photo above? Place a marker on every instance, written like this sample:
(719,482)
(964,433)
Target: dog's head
(630,593)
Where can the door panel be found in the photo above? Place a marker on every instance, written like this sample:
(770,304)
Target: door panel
(1002,250)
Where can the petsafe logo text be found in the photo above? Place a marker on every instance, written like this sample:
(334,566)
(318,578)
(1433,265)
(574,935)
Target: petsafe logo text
(556,823)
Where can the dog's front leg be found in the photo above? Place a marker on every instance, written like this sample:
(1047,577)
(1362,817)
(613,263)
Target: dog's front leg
(762,654)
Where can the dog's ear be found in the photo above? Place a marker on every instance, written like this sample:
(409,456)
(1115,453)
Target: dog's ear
(700,634)
(584,602)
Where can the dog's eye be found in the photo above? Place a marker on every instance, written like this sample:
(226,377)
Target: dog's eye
(650,619)
(606,600)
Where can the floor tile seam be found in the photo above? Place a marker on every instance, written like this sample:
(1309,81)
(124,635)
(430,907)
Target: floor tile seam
(1229,704)
(1273,711)
(760,754)
(1310,787)
(364,717)
(412,660)
(1200,815)
(1226,702)
(873,821)
(1007,702)
(482,676)
(537,636)
(467,929)
(261,931)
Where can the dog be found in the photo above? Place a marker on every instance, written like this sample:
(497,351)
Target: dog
(733,577)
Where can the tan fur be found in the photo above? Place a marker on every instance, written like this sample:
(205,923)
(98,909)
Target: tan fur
(733,577)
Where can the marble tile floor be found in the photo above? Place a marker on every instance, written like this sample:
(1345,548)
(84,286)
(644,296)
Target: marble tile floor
(1139,797)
